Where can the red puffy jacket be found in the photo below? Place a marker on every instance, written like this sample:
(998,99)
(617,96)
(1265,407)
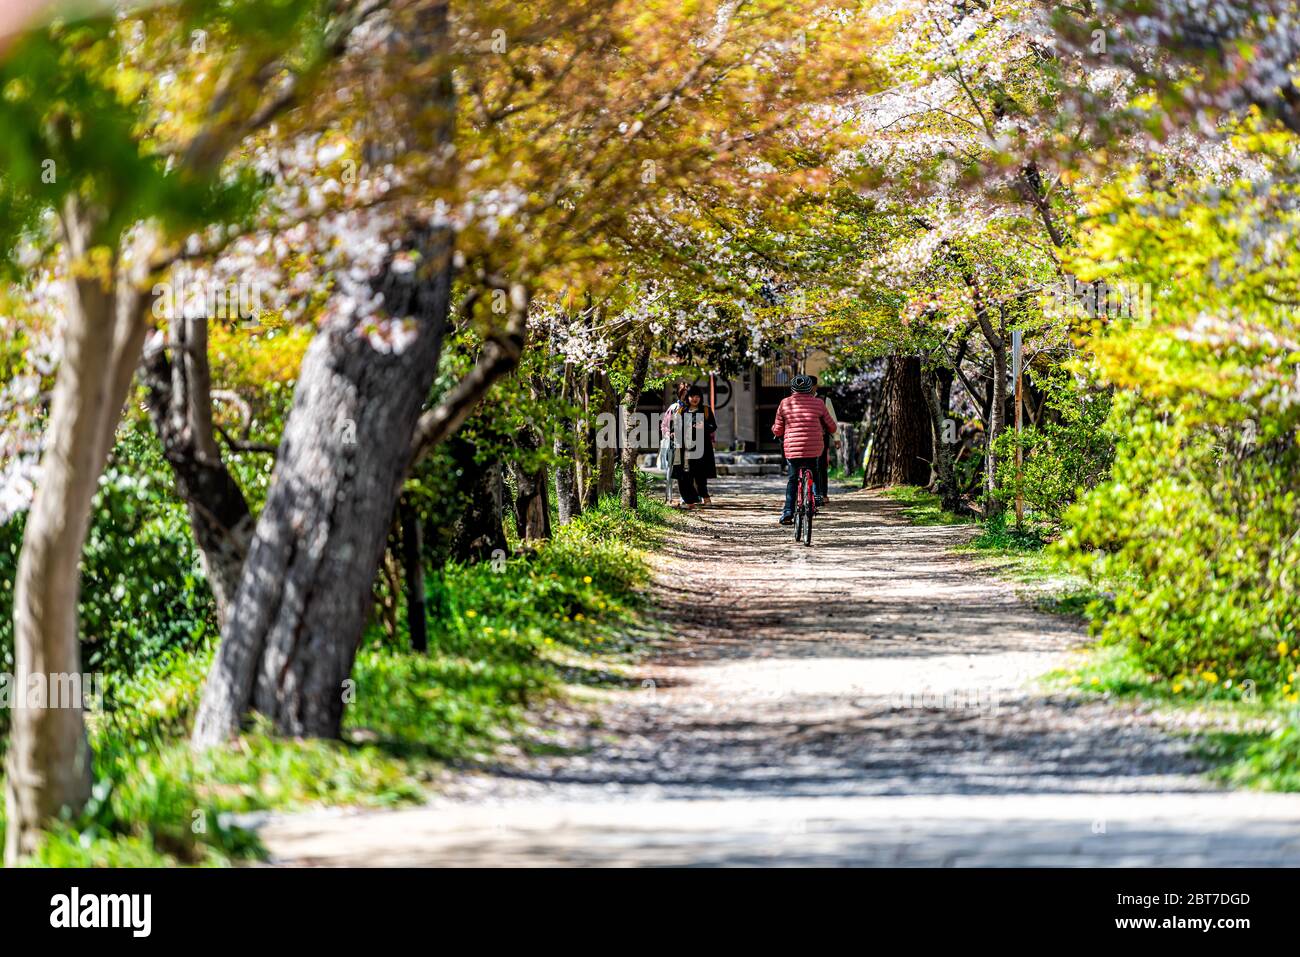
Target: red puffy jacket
(800,419)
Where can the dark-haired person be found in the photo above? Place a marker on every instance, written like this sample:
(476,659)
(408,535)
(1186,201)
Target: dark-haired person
(802,420)
(693,462)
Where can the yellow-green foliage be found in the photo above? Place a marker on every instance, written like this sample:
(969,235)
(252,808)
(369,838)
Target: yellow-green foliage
(1199,523)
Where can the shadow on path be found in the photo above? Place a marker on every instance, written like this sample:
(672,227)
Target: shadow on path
(828,684)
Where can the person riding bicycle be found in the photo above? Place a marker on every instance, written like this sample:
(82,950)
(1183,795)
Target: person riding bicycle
(800,420)
(822,475)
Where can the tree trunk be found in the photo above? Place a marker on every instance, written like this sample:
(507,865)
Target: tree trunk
(568,503)
(944,379)
(49,760)
(180,405)
(566,478)
(478,533)
(849,454)
(306,585)
(351,436)
(901,445)
(631,395)
(943,460)
(997,421)
(589,464)
(532,505)
(417,620)
(606,463)
(985,398)
(997,398)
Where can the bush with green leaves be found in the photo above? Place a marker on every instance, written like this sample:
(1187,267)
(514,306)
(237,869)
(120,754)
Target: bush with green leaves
(1198,525)
(1196,531)
(143,592)
(142,586)
(1069,451)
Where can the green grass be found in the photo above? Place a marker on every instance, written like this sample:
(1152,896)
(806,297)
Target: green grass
(1022,555)
(1265,761)
(1019,554)
(502,638)
(923,507)
(1115,671)
(1252,741)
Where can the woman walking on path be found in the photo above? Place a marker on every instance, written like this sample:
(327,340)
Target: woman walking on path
(666,443)
(801,420)
(693,460)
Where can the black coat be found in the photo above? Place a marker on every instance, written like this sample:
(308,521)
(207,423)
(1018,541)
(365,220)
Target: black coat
(704,464)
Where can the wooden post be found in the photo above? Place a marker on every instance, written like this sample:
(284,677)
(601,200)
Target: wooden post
(413,567)
(1017,342)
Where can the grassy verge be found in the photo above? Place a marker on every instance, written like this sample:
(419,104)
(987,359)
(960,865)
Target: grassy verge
(1252,742)
(923,507)
(1018,554)
(1022,556)
(503,637)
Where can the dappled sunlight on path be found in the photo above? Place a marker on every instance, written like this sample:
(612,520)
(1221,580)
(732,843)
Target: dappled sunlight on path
(867,700)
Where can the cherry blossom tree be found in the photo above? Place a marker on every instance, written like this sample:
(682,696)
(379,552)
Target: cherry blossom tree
(109,174)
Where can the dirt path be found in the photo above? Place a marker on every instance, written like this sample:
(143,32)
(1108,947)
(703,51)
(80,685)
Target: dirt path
(866,701)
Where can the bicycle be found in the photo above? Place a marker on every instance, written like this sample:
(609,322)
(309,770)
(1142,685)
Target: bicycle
(805,506)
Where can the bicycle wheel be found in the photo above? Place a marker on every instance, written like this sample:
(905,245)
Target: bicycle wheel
(798,524)
(809,532)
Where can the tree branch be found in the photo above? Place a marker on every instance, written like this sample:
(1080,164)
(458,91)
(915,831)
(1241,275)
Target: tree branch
(499,357)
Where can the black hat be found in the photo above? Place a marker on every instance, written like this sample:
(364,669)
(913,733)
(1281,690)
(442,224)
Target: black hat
(801,383)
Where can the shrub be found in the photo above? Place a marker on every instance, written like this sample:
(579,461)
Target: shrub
(143,592)
(1197,527)
(1061,457)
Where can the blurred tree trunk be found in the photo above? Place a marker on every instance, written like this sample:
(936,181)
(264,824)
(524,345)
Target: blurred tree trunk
(49,760)
(179,398)
(996,337)
(948,374)
(589,452)
(606,464)
(479,531)
(632,395)
(997,421)
(943,380)
(849,453)
(532,492)
(901,445)
(532,504)
(943,459)
(566,476)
